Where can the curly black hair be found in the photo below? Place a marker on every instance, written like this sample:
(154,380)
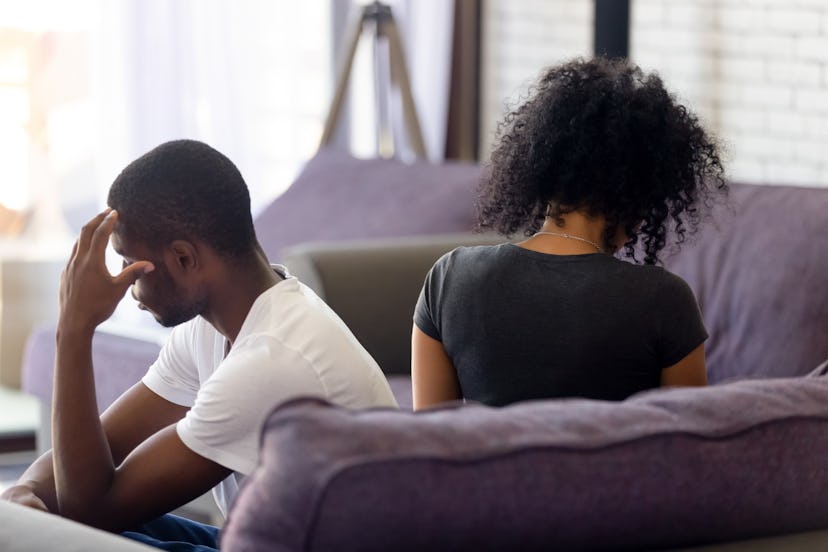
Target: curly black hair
(603,137)
(185,189)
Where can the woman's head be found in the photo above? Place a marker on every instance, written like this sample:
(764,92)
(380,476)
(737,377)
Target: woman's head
(602,137)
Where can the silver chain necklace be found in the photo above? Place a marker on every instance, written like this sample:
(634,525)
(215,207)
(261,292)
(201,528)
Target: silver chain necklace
(570,237)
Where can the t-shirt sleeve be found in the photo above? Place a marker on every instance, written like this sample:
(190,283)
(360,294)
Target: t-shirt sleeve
(681,325)
(174,374)
(226,419)
(426,312)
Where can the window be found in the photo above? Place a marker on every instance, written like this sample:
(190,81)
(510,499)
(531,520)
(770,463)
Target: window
(88,86)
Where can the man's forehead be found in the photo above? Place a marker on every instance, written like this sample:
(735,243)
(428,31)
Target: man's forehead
(120,238)
(115,238)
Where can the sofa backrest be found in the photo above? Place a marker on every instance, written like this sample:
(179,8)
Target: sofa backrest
(758,269)
(373,285)
(338,197)
(760,274)
(665,468)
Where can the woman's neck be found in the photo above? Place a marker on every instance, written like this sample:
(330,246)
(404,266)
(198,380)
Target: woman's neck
(579,234)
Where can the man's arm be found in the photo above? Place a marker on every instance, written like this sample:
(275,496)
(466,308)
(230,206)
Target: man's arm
(161,473)
(129,421)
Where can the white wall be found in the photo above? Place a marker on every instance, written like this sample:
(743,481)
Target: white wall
(755,71)
(519,39)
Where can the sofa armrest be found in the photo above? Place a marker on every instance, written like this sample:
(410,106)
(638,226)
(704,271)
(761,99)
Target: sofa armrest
(28,530)
(119,362)
(373,285)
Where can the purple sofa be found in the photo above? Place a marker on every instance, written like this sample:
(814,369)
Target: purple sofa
(740,463)
(759,275)
(664,469)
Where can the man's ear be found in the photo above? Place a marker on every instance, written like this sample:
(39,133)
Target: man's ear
(185,255)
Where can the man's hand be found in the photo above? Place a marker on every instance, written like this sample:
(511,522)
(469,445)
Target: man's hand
(88,292)
(25,496)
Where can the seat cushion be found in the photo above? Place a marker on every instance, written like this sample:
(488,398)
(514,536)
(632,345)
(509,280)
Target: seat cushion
(29,530)
(665,468)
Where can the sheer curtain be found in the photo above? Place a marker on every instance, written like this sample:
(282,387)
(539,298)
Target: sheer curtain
(427,27)
(249,77)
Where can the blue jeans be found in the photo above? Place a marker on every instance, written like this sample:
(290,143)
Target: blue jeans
(176,534)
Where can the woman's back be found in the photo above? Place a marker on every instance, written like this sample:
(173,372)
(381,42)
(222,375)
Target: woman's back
(598,156)
(519,324)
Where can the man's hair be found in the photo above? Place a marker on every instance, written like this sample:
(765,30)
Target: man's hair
(185,189)
(602,136)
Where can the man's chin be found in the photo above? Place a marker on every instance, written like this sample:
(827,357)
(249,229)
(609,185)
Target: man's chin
(175,314)
(165,321)
(172,321)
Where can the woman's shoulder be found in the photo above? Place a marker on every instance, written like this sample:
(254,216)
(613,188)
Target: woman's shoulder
(472,253)
(467,260)
(657,278)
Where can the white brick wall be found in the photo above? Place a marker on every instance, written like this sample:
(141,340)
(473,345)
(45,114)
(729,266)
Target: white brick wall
(755,71)
(520,38)
(760,81)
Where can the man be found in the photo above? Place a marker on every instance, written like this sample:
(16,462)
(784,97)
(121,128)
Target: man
(247,336)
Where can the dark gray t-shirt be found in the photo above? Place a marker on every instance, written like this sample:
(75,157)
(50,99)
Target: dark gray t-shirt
(520,325)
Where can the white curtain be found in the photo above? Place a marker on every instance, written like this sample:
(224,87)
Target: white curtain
(427,28)
(249,77)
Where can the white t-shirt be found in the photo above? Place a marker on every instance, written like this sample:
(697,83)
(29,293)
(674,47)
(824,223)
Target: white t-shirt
(291,344)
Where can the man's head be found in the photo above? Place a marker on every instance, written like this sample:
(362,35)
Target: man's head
(178,205)
(185,189)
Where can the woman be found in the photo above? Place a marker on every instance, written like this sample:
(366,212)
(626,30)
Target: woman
(600,159)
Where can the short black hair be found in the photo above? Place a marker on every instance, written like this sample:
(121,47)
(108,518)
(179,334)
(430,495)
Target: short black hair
(602,136)
(184,189)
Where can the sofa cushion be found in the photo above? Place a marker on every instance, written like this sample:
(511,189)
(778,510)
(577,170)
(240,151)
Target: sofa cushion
(29,530)
(759,274)
(665,468)
(339,197)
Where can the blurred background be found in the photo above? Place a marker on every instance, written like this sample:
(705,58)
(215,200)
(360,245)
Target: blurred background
(86,87)
(89,85)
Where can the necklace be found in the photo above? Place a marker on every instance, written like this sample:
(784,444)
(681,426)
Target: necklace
(570,237)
